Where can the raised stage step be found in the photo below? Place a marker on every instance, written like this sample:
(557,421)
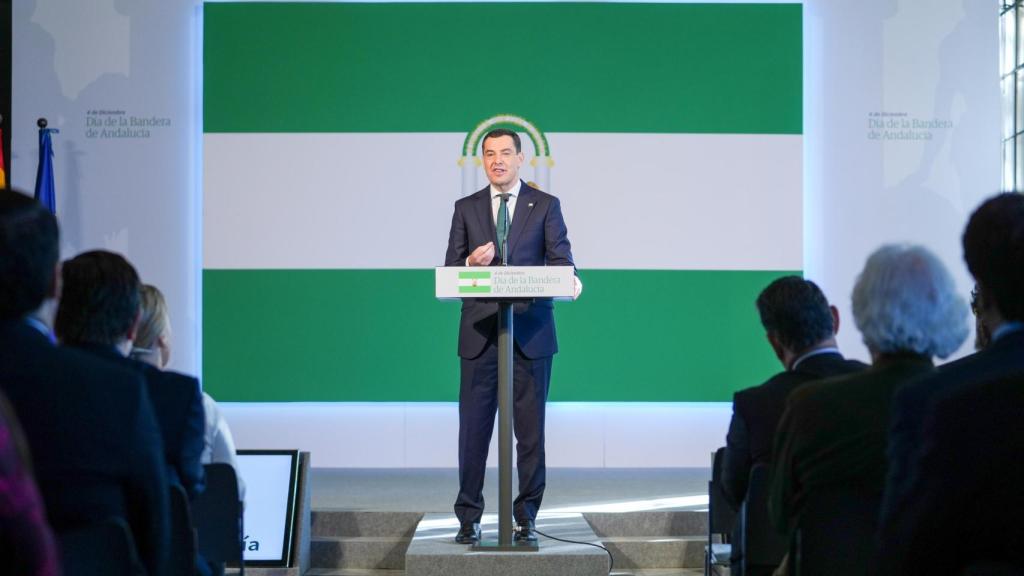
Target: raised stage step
(657,551)
(663,572)
(434,553)
(617,572)
(353,572)
(364,523)
(378,552)
(660,539)
(372,543)
(368,543)
(652,523)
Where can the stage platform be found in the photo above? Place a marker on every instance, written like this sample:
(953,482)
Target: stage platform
(399,522)
(580,489)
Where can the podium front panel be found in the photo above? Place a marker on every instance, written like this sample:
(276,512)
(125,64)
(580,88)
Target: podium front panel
(498,282)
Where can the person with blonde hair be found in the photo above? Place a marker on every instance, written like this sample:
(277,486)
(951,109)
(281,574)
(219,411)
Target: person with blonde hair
(152,345)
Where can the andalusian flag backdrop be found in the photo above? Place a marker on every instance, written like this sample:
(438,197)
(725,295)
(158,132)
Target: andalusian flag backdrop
(333,153)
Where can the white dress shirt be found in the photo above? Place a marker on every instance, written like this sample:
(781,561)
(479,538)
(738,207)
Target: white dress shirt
(218,444)
(496,202)
(816,352)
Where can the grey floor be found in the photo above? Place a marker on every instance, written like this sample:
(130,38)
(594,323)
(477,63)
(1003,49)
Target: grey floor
(434,490)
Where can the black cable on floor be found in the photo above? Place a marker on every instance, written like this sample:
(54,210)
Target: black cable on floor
(611,560)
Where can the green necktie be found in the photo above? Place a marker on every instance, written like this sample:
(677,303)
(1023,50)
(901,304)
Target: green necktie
(502,222)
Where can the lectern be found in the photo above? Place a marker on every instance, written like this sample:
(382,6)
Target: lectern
(505,285)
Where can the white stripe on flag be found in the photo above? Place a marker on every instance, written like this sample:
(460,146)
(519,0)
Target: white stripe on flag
(631,201)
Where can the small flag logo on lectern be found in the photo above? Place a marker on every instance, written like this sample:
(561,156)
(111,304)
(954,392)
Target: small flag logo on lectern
(474,282)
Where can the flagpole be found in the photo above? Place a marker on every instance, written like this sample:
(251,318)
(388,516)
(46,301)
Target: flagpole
(3,159)
(44,174)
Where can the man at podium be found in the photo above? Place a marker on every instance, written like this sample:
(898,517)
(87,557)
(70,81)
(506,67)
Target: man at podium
(508,221)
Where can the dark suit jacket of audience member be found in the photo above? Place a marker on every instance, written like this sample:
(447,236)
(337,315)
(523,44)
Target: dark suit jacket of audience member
(966,494)
(833,434)
(1003,357)
(756,412)
(27,545)
(178,405)
(95,444)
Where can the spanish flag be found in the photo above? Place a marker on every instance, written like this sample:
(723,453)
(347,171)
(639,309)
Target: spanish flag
(3,173)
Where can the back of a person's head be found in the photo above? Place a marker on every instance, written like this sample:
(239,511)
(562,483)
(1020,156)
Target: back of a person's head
(796,312)
(28,254)
(905,301)
(153,317)
(99,300)
(994,252)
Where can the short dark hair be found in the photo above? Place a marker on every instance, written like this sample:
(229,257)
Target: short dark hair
(499,132)
(796,312)
(994,252)
(100,299)
(29,251)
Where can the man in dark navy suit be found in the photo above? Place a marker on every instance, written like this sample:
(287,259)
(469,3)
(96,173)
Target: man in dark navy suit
(98,314)
(993,243)
(95,445)
(961,512)
(800,326)
(536,236)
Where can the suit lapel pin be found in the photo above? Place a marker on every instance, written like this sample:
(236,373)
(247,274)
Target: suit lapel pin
(530,205)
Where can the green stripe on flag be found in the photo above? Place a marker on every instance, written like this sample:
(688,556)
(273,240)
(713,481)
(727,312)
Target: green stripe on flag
(444,67)
(470,275)
(474,289)
(332,335)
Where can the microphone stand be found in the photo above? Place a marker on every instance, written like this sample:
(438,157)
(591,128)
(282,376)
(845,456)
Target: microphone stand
(505,375)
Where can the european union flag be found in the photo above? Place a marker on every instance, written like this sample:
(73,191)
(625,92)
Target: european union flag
(44,175)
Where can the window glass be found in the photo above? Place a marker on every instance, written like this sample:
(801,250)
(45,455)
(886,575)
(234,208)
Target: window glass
(1008,38)
(1008,165)
(1008,86)
(1017,42)
(1017,102)
(1019,167)
(1011,21)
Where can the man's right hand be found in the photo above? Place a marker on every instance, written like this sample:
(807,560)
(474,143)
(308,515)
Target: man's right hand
(482,256)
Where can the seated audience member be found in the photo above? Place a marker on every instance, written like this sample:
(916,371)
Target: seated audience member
(800,326)
(98,314)
(152,345)
(833,432)
(982,335)
(26,541)
(963,506)
(94,441)
(994,251)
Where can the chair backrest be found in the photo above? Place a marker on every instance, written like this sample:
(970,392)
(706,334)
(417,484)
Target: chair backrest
(762,545)
(721,516)
(182,558)
(217,516)
(993,569)
(836,532)
(105,548)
